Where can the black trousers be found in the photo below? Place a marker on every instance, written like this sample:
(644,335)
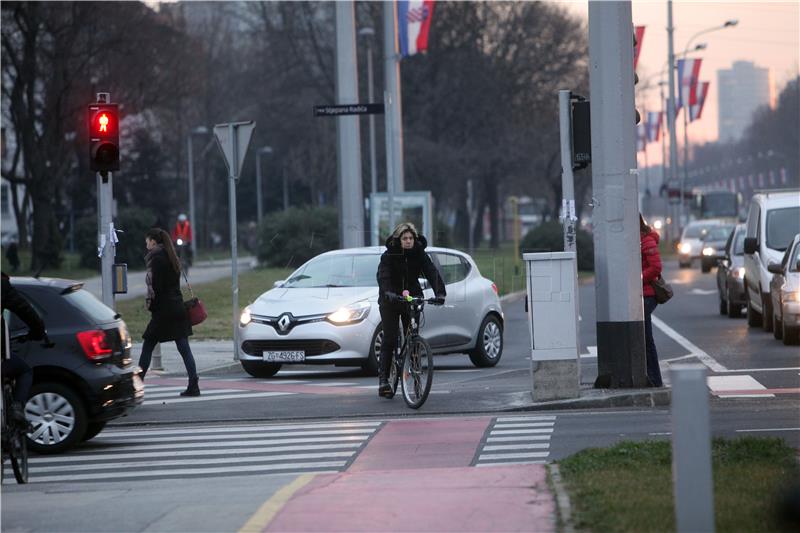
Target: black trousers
(653,370)
(390,313)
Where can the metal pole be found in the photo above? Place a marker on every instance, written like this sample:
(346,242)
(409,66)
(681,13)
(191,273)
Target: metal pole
(390,181)
(258,187)
(394,130)
(618,270)
(664,181)
(192,220)
(685,174)
(693,487)
(673,137)
(568,217)
(373,164)
(232,177)
(351,190)
(285,189)
(471,216)
(105,194)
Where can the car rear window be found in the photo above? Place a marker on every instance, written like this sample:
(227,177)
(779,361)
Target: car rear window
(337,271)
(91,306)
(696,232)
(782,225)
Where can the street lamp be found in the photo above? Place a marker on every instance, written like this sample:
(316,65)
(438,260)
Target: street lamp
(369,34)
(259,211)
(200,130)
(684,177)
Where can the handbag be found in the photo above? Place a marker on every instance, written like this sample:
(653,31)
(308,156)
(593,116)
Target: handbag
(663,290)
(195,308)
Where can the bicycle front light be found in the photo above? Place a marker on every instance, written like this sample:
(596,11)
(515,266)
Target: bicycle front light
(350,314)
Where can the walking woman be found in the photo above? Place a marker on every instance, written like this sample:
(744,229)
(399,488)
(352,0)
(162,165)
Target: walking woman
(169,320)
(651,270)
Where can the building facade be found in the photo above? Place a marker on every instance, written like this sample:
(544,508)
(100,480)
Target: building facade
(741,90)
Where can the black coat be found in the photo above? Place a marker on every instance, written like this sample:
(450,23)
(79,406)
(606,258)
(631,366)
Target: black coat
(169,320)
(401,269)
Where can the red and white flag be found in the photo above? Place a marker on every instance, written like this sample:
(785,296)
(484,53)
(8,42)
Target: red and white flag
(688,76)
(653,121)
(413,25)
(696,110)
(638,48)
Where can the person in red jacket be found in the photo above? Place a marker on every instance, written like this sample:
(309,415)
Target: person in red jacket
(182,239)
(651,270)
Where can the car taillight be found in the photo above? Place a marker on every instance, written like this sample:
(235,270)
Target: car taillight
(494,288)
(94,344)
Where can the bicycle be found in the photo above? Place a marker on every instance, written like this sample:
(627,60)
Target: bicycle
(414,360)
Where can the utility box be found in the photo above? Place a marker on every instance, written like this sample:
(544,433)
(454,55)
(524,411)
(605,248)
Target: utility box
(552,280)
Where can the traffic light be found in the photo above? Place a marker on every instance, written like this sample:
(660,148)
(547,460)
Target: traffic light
(104,137)
(580,117)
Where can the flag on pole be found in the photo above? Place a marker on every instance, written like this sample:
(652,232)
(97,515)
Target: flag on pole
(696,110)
(641,137)
(688,74)
(414,24)
(638,48)
(653,120)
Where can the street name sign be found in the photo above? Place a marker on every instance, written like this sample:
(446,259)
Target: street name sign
(349,109)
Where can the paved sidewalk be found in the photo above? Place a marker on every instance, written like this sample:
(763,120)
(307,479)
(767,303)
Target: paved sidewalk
(210,357)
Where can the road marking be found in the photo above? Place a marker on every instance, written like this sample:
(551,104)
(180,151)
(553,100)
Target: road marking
(525,418)
(505,425)
(763,369)
(703,292)
(704,358)
(209,398)
(501,447)
(519,438)
(237,429)
(592,353)
(512,440)
(681,358)
(766,429)
(719,385)
(479,465)
(259,521)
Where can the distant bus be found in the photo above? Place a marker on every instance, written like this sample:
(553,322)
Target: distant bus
(721,204)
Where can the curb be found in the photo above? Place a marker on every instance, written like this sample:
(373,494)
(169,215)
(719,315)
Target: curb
(658,398)
(563,506)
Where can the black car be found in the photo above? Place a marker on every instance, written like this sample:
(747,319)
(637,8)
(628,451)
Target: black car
(87,378)
(713,248)
(730,275)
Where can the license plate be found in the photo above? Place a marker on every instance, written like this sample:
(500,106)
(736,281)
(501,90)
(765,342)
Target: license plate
(295,356)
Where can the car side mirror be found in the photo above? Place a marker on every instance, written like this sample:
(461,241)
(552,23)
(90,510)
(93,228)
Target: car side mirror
(775,268)
(750,245)
(278,283)
(424,283)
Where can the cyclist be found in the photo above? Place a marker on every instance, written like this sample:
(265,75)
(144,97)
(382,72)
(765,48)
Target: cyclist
(401,266)
(13,365)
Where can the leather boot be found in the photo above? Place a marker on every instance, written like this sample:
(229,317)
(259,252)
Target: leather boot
(193,389)
(384,389)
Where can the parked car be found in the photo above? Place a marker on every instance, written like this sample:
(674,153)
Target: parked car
(714,246)
(691,244)
(87,378)
(730,275)
(784,290)
(772,221)
(327,312)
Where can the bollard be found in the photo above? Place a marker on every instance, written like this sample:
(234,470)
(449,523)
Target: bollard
(693,485)
(156,365)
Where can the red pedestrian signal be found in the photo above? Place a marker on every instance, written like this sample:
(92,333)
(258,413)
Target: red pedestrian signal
(104,137)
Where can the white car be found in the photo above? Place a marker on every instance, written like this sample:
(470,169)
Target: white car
(785,292)
(327,312)
(772,222)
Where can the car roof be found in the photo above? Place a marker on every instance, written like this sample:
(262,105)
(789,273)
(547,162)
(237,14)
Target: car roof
(377,250)
(778,198)
(57,284)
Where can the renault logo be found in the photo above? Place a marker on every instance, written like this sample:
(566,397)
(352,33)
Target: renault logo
(284,322)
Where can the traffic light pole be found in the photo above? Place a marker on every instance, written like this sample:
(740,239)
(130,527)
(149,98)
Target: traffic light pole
(568,217)
(618,271)
(105,236)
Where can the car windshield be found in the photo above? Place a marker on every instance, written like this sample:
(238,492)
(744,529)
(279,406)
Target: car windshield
(696,232)
(89,304)
(718,233)
(782,226)
(358,270)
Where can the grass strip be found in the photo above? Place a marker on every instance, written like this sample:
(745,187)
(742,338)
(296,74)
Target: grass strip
(217,298)
(628,487)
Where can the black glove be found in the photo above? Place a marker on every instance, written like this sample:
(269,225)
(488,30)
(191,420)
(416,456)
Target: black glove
(439,300)
(391,296)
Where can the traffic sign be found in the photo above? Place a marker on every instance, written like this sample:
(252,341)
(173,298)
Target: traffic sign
(234,155)
(353,109)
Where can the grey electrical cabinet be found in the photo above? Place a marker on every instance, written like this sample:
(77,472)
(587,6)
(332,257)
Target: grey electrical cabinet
(552,280)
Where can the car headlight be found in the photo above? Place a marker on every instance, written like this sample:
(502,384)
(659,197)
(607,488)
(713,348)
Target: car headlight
(350,314)
(658,224)
(740,272)
(685,248)
(708,250)
(245,317)
(791,296)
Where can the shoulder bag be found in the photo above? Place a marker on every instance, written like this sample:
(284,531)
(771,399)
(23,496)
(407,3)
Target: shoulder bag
(195,308)
(663,290)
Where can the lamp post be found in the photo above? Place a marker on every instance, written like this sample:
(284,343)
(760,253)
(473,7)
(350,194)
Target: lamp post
(259,199)
(200,130)
(685,177)
(369,34)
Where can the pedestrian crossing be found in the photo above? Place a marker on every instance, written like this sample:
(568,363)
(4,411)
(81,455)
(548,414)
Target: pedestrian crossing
(156,394)
(516,440)
(191,451)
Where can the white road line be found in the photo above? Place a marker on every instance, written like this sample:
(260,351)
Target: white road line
(704,358)
(524,418)
(198,436)
(236,429)
(765,429)
(456,370)
(333,384)
(522,431)
(162,393)
(137,446)
(525,438)
(526,455)
(501,447)
(764,369)
(720,384)
(524,425)
(515,463)
(167,401)
(681,358)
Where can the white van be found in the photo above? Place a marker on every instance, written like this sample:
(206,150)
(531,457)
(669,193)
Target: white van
(772,222)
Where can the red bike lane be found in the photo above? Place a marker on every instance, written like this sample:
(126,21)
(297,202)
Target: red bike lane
(416,475)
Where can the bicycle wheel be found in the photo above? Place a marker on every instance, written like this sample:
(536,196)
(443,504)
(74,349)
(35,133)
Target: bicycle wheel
(417,372)
(18,453)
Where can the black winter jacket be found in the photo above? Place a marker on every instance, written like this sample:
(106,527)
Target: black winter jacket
(401,269)
(169,320)
(17,304)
